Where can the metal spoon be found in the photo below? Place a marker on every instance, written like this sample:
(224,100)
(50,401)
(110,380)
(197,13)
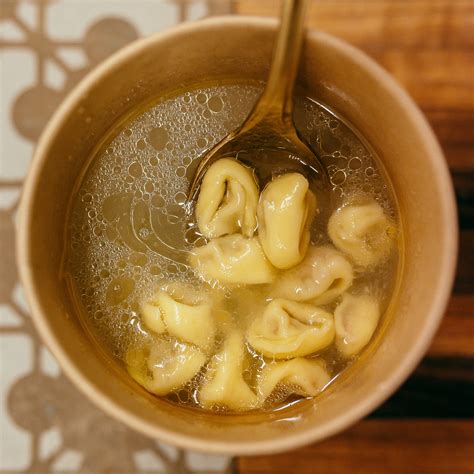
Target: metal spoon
(268,139)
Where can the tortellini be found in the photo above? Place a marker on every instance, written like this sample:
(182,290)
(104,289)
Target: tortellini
(355,320)
(152,316)
(320,278)
(306,377)
(364,232)
(233,346)
(289,329)
(227,201)
(233,259)
(224,384)
(167,367)
(284,214)
(187,316)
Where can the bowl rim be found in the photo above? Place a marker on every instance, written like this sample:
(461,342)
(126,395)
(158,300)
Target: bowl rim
(408,361)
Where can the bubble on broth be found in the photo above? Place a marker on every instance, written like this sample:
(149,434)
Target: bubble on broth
(135,169)
(158,138)
(215,103)
(128,233)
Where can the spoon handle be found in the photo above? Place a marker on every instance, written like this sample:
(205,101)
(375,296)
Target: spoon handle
(277,97)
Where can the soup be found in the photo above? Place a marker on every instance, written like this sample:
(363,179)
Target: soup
(265,293)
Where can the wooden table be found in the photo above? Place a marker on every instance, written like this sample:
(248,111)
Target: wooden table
(427,426)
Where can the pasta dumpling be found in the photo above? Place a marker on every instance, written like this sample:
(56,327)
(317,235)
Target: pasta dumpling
(364,232)
(232,259)
(186,315)
(289,329)
(224,384)
(355,320)
(227,201)
(165,366)
(152,316)
(306,377)
(321,277)
(284,215)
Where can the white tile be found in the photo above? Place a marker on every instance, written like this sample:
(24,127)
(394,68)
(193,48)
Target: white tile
(171,452)
(19,298)
(27,12)
(149,461)
(15,444)
(196,10)
(8,317)
(17,74)
(68,460)
(75,58)
(49,365)
(10,31)
(49,443)
(9,196)
(70,19)
(206,462)
(54,76)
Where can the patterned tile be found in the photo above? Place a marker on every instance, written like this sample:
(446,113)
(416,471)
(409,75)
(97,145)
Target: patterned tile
(46,47)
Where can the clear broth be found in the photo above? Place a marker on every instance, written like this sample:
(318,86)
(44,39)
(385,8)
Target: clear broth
(128,231)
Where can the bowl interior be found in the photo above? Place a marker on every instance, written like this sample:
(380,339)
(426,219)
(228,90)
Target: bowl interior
(330,71)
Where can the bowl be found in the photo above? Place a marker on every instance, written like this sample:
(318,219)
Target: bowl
(334,73)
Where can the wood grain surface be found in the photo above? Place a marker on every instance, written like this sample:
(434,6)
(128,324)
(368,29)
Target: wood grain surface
(428,425)
(379,446)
